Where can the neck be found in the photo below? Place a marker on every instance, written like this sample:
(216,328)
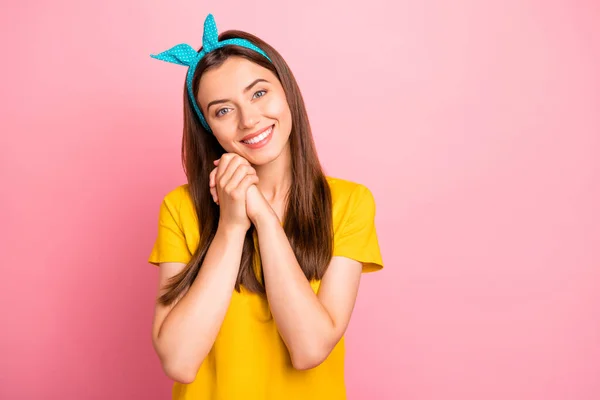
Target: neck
(275,178)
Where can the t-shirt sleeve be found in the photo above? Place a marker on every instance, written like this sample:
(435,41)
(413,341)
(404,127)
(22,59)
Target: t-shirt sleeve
(357,237)
(170,244)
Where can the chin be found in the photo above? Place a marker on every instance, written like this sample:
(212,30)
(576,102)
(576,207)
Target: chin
(262,159)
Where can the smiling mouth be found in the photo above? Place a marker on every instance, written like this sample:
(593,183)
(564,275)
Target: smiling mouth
(260,137)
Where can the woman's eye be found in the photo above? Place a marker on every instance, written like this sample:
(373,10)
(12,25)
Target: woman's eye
(218,114)
(261,91)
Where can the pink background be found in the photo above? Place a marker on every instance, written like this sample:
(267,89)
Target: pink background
(475,124)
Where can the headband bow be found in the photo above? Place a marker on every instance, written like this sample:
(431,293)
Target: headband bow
(184,54)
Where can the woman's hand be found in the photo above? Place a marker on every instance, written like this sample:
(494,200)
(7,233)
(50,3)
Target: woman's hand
(256,204)
(229,182)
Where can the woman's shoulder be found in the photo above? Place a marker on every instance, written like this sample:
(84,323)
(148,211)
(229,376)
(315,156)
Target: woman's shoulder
(179,200)
(179,205)
(178,193)
(343,188)
(349,194)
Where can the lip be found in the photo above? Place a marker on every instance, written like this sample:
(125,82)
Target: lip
(261,144)
(253,135)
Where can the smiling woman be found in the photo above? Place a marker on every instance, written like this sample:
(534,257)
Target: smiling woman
(238,117)
(260,253)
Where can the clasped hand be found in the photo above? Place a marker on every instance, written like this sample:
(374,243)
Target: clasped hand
(233,186)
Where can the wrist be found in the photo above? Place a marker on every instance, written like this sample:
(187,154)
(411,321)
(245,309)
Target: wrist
(265,220)
(232,231)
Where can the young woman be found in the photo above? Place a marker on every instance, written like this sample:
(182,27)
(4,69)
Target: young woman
(260,253)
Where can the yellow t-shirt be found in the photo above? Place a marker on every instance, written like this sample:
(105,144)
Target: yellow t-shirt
(249,360)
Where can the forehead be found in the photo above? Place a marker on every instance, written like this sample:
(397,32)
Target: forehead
(230,78)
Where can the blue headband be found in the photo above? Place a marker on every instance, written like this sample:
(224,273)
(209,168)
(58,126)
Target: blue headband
(184,54)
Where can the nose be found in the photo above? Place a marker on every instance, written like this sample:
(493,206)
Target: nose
(249,117)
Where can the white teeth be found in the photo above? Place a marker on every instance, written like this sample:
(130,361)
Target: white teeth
(259,138)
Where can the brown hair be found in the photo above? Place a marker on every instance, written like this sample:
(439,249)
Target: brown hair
(308,213)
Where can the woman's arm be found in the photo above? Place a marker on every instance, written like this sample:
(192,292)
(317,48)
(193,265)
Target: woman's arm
(309,324)
(184,332)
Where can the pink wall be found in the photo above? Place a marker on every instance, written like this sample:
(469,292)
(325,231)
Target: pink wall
(475,124)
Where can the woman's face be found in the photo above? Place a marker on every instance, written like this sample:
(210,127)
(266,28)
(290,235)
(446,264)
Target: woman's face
(241,99)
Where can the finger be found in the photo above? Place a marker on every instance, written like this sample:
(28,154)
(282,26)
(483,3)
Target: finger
(223,162)
(214,194)
(239,174)
(231,168)
(211,178)
(246,182)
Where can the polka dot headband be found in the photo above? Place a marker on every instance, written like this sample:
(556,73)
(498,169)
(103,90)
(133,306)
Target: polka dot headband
(184,54)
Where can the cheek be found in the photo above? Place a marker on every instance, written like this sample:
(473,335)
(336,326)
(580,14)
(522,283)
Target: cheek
(277,108)
(225,140)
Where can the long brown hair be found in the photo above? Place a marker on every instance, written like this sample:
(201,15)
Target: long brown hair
(308,213)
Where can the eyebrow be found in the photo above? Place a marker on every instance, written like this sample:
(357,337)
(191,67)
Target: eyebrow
(245,90)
